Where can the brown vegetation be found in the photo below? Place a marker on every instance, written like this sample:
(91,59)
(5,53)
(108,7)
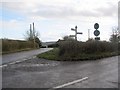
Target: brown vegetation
(16,45)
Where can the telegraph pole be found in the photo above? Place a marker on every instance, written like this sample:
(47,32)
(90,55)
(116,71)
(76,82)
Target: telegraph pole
(88,34)
(33,35)
(30,32)
(75,33)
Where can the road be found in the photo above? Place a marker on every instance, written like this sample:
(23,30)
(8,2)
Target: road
(41,73)
(7,58)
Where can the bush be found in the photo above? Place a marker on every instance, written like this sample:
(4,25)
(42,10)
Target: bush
(73,49)
(69,47)
(98,47)
(14,45)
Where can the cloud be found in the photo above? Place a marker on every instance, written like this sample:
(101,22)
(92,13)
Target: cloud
(64,9)
(54,18)
(110,10)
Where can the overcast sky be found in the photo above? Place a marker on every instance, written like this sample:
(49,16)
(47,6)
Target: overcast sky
(54,18)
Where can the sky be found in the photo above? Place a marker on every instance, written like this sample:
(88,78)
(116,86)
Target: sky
(54,18)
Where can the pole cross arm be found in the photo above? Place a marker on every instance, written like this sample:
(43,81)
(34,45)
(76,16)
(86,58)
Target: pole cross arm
(73,29)
(79,33)
(75,33)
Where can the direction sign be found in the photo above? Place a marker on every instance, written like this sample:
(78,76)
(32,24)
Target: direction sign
(79,33)
(73,29)
(96,32)
(96,25)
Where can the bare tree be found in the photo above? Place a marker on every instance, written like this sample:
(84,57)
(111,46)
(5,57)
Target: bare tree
(115,37)
(33,35)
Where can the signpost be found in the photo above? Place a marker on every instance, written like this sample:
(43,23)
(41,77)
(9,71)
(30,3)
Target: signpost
(96,32)
(75,33)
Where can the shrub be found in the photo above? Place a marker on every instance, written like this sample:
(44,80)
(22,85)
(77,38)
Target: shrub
(14,45)
(69,47)
(73,49)
(98,46)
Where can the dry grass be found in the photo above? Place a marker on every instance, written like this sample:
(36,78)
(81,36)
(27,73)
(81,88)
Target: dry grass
(9,46)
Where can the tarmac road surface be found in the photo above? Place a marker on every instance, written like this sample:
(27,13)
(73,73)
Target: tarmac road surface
(41,73)
(7,58)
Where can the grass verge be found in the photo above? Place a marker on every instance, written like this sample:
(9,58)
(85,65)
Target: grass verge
(54,55)
(51,55)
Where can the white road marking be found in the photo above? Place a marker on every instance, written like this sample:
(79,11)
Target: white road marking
(12,63)
(3,66)
(29,58)
(24,59)
(17,61)
(70,83)
(34,57)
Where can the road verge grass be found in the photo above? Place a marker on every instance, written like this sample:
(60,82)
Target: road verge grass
(54,55)
(72,50)
(51,55)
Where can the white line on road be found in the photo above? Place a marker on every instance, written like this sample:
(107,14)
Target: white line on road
(3,65)
(12,63)
(17,61)
(70,83)
(34,57)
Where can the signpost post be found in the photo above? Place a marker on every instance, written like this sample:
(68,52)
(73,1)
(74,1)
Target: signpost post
(75,33)
(96,32)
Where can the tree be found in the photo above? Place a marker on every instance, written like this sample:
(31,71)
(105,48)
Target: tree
(37,40)
(32,35)
(115,37)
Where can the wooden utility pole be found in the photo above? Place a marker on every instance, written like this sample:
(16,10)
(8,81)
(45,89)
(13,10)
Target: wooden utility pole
(33,35)
(88,34)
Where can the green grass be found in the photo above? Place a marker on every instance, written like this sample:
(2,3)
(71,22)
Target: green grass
(51,55)
(54,55)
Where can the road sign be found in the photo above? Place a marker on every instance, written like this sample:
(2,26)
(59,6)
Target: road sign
(96,25)
(96,32)
(79,33)
(97,38)
(73,29)
(75,32)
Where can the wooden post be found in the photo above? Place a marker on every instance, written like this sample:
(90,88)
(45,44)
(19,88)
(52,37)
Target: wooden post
(33,35)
